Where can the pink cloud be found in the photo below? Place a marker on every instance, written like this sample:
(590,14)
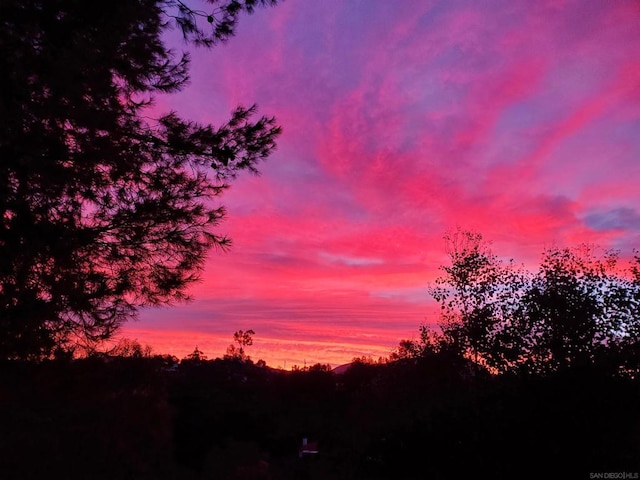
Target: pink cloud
(516,119)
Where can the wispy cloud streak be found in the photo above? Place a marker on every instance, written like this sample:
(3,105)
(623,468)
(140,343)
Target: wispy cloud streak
(402,120)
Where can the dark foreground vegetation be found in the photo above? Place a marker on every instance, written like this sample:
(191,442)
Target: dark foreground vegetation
(104,210)
(530,375)
(433,417)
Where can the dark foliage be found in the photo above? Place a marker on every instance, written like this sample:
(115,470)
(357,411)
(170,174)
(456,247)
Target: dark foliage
(103,209)
(120,418)
(578,311)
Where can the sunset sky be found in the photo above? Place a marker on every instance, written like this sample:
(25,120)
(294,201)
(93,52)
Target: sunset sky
(403,120)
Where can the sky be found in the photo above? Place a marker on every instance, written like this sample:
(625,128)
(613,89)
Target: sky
(403,121)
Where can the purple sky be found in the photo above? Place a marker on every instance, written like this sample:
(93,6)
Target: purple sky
(402,121)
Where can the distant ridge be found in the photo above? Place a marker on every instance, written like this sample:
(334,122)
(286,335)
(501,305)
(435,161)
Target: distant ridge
(339,370)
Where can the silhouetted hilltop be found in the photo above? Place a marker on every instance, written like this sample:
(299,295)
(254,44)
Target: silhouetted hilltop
(341,369)
(140,418)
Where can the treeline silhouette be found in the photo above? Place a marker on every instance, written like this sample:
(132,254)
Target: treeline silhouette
(530,375)
(104,210)
(428,417)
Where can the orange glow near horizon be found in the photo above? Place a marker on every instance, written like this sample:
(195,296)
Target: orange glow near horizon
(279,353)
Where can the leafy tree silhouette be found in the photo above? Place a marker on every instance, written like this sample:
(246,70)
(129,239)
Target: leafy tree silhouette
(130,349)
(470,294)
(103,209)
(243,339)
(578,310)
(196,356)
(583,311)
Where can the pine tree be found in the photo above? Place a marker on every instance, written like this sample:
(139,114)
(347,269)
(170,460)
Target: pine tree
(102,209)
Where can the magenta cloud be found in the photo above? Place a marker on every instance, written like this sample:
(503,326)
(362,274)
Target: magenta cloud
(402,121)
